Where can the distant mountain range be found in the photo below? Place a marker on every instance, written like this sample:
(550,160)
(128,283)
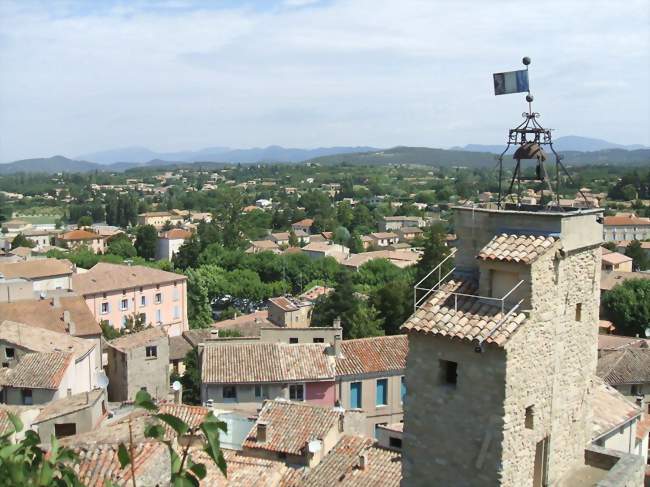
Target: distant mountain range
(591,151)
(272,153)
(567,143)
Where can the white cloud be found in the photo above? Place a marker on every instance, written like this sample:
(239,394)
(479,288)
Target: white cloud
(182,76)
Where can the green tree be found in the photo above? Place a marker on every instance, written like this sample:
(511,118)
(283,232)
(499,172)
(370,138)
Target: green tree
(199,311)
(364,321)
(108,331)
(121,245)
(191,379)
(394,303)
(627,305)
(188,254)
(293,239)
(640,261)
(146,240)
(610,246)
(435,251)
(21,241)
(85,221)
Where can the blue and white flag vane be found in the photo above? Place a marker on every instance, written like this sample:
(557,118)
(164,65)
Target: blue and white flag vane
(511,82)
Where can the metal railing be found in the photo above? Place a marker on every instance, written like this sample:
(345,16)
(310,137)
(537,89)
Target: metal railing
(438,268)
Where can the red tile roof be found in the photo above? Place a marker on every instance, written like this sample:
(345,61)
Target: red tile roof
(291,425)
(624,220)
(242,470)
(39,370)
(79,234)
(469,320)
(240,363)
(105,277)
(177,233)
(342,467)
(37,268)
(614,258)
(516,248)
(369,355)
(140,339)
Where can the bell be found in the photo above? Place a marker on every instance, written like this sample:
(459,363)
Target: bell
(529,150)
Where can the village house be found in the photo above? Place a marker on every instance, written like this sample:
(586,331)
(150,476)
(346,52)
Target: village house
(138,361)
(81,238)
(390,435)
(513,406)
(612,278)
(394,223)
(40,238)
(43,274)
(159,218)
(399,258)
(40,366)
(247,325)
(303,225)
(409,233)
(15,226)
(170,242)
(613,261)
(318,250)
(243,375)
(625,227)
(627,369)
(384,239)
(623,244)
(115,293)
(257,246)
(287,311)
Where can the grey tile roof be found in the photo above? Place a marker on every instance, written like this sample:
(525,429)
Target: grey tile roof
(39,370)
(626,366)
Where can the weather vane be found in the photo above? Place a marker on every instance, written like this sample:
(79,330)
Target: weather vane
(530,138)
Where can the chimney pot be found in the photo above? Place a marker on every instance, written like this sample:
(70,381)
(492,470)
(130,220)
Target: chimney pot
(261,431)
(363,461)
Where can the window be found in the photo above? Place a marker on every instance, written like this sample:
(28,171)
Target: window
(394,442)
(448,373)
(177,312)
(355,395)
(258,392)
(65,429)
(125,320)
(297,392)
(229,392)
(403,391)
(175,294)
(158,316)
(27,397)
(578,311)
(319,340)
(105,308)
(381,396)
(143,300)
(151,351)
(124,304)
(143,318)
(158,298)
(143,388)
(635,390)
(10,353)
(529,421)
(293,340)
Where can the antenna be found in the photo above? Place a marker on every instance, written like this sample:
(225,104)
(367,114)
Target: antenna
(530,138)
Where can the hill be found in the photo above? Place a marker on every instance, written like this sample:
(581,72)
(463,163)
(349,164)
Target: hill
(49,165)
(566,143)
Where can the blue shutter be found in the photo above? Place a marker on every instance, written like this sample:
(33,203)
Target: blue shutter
(403,388)
(382,392)
(355,395)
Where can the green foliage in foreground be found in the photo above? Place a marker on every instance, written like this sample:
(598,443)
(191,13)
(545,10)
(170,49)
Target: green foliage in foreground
(25,463)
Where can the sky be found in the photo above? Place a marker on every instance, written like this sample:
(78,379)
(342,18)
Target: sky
(78,77)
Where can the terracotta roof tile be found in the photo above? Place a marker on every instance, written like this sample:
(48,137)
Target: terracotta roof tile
(240,363)
(43,341)
(109,277)
(79,234)
(139,339)
(341,466)
(626,366)
(615,342)
(37,268)
(39,370)
(467,318)
(99,463)
(291,425)
(614,258)
(625,220)
(610,409)
(177,233)
(376,354)
(68,405)
(243,471)
(178,347)
(516,248)
(610,279)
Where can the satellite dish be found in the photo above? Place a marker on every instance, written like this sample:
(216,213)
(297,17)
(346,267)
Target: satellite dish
(176,386)
(314,446)
(102,380)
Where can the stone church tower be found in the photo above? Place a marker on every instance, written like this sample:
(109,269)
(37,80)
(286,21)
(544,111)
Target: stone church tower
(502,354)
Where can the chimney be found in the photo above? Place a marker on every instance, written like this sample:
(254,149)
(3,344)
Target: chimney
(337,346)
(337,322)
(69,392)
(261,431)
(363,461)
(56,302)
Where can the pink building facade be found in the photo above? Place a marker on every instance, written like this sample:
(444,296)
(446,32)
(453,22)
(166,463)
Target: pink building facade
(321,393)
(158,297)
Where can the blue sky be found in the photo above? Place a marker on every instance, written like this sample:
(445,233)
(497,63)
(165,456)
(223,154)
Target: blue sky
(172,75)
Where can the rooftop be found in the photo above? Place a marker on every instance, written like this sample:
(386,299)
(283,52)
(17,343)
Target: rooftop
(176,234)
(178,347)
(615,342)
(38,371)
(105,277)
(240,363)
(463,315)
(288,303)
(243,471)
(610,279)
(41,340)
(140,339)
(291,425)
(516,248)
(615,258)
(36,269)
(611,409)
(342,465)
(68,405)
(623,220)
(247,325)
(625,366)
(49,314)
(376,354)
(79,234)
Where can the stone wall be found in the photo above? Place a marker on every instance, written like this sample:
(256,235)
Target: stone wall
(453,436)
